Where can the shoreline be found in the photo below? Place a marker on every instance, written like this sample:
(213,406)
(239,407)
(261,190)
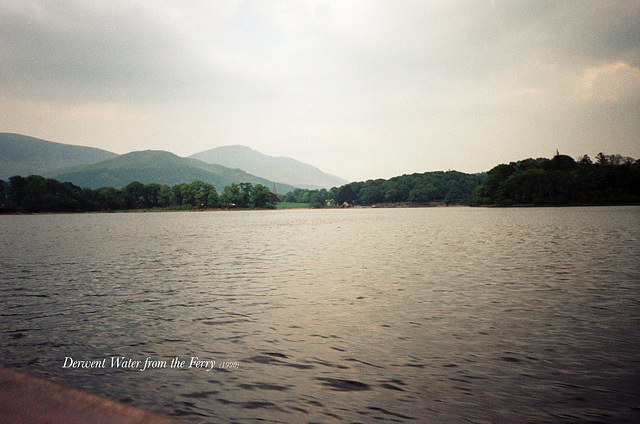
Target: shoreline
(374,206)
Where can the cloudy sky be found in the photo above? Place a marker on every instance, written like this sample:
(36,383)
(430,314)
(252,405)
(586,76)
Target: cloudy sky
(361,89)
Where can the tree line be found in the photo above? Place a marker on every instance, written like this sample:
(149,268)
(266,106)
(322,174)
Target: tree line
(419,189)
(34,194)
(38,194)
(611,179)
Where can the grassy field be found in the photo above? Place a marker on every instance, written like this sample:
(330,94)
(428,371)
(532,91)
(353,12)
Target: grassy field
(290,205)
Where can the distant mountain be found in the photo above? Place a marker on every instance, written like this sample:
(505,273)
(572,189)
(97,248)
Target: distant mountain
(160,167)
(283,169)
(24,155)
(94,168)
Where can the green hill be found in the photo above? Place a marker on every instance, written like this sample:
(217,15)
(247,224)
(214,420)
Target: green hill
(159,167)
(24,155)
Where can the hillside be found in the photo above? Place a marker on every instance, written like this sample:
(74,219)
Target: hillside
(24,155)
(159,167)
(283,169)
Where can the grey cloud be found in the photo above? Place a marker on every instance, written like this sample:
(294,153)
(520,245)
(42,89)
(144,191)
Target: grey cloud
(129,51)
(596,29)
(72,49)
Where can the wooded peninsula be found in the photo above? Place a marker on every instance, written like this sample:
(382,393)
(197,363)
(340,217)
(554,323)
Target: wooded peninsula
(611,179)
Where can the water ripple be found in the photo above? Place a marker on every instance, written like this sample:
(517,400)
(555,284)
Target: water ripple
(404,315)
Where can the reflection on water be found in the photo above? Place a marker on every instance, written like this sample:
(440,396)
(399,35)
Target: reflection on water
(388,315)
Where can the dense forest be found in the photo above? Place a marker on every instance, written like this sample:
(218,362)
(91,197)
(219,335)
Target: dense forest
(417,189)
(612,179)
(38,194)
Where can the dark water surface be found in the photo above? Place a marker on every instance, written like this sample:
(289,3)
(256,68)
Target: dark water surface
(433,315)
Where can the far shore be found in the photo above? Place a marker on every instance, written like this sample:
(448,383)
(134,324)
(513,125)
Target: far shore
(302,206)
(305,207)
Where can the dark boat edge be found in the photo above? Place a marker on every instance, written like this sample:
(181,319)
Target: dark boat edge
(29,399)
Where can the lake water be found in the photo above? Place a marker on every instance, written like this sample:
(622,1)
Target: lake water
(434,315)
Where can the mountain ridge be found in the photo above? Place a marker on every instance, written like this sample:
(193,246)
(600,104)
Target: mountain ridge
(159,167)
(26,155)
(278,168)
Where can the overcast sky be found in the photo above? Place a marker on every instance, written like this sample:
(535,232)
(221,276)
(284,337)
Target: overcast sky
(361,89)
